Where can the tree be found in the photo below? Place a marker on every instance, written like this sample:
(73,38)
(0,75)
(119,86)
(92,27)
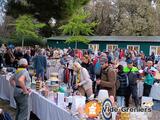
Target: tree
(77,26)
(2,10)
(139,18)
(126,17)
(27,27)
(44,10)
(5,29)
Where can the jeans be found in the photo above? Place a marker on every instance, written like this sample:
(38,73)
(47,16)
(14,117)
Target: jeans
(121,101)
(132,89)
(22,104)
(147,89)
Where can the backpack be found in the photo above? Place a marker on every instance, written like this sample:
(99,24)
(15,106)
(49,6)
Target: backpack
(66,75)
(97,68)
(122,78)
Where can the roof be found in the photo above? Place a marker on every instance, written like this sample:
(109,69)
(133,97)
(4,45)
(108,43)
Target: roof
(115,38)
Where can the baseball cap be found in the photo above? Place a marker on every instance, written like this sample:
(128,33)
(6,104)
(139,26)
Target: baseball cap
(23,61)
(129,61)
(103,60)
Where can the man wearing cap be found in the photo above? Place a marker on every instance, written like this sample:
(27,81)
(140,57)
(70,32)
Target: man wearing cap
(108,77)
(132,73)
(21,90)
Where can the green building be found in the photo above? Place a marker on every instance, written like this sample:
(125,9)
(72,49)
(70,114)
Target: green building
(147,44)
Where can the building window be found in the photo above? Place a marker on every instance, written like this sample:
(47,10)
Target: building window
(133,47)
(155,49)
(111,47)
(94,47)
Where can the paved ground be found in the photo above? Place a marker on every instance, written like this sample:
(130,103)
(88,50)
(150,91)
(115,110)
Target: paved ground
(5,106)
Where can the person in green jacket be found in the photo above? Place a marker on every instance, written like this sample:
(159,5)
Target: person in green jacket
(132,73)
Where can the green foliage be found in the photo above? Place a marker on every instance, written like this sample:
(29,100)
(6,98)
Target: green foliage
(73,5)
(126,17)
(78,26)
(74,39)
(44,10)
(26,26)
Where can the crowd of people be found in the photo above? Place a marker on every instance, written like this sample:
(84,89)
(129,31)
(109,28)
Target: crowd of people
(85,71)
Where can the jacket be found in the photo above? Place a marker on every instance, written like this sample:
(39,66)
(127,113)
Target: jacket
(40,62)
(108,80)
(132,74)
(85,80)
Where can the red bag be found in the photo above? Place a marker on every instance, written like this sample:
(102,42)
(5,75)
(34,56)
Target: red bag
(67,75)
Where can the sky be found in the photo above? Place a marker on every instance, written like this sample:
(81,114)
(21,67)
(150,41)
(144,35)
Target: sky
(2,10)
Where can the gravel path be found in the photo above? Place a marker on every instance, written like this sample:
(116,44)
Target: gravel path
(6,107)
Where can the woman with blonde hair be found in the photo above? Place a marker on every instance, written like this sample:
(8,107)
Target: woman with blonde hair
(83,80)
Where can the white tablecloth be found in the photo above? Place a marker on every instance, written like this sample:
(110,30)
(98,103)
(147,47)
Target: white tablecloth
(44,108)
(155,90)
(6,90)
(47,110)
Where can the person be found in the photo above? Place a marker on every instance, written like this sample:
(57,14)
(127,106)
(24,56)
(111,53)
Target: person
(83,81)
(122,78)
(86,63)
(18,53)
(152,57)
(116,53)
(27,56)
(76,58)
(108,77)
(40,65)
(1,60)
(150,72)
(9,58)
(132,73)
(123,62)
(64,59)
(121,54)
(22,90)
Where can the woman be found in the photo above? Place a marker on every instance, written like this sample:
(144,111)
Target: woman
(22,90)
(83,81)
(86,63)
(150,72)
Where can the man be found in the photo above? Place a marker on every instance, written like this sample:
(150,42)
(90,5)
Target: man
(40,64)
(108,77)
(132,73)
(9,58)
(21,82)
